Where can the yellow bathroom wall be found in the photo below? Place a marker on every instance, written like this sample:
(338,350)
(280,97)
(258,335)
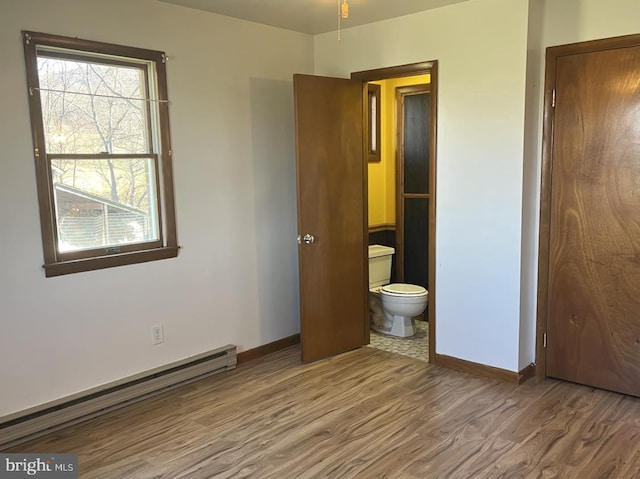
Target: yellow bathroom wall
(382,174)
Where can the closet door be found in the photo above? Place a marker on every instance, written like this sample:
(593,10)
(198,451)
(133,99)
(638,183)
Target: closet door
(593,315)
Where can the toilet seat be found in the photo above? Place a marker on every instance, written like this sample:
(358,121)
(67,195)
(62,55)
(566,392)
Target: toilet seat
(403,290)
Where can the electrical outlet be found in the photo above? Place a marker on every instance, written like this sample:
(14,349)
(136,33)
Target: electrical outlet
(157,334)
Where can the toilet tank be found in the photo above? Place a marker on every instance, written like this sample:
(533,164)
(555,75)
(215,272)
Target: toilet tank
(379,265)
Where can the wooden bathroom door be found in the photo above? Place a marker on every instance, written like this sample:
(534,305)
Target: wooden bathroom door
(331,174)
(593,314)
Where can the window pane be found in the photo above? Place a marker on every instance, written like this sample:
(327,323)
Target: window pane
(77,120)
(105,202)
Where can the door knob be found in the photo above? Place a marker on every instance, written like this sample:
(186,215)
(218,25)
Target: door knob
(309,239)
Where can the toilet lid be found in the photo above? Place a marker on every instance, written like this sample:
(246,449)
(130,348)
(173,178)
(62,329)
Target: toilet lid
(404,289)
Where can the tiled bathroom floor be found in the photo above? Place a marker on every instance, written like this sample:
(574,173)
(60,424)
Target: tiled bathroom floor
(416,347)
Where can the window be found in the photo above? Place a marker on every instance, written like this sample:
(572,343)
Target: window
(373,124)
(99,117)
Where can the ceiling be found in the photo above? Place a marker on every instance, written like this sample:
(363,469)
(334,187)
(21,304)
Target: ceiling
(312,16)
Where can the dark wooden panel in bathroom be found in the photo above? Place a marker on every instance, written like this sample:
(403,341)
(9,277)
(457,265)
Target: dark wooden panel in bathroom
(416,143)
(384,237)
(416,241)
(413,189)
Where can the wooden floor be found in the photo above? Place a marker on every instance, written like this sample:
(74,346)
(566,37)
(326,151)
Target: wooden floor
(363,414)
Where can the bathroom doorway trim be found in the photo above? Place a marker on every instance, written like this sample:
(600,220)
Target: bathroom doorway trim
(421,68)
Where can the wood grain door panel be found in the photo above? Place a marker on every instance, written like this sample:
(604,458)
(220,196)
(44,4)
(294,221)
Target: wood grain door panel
(594,245)
(331,207)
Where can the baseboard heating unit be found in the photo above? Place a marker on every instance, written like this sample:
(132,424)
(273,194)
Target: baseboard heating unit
(29,424)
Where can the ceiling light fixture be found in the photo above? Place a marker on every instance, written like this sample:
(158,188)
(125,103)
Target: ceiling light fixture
(344,9)
(343,12)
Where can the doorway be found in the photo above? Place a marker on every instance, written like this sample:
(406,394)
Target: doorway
(410,121)
(589,276)
(331,171)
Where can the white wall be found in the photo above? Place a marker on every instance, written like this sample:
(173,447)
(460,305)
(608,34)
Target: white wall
(571,21)
(235,280)
(481,47)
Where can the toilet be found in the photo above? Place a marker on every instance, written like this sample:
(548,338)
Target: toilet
(393,306)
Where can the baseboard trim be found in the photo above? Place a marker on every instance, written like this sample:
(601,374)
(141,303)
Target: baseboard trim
(477,369)
(527,373)
(260,351)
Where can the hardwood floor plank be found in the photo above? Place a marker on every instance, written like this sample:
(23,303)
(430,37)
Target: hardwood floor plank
(553,471)
(610,459)
(363,414)
(459,456)
(632,468)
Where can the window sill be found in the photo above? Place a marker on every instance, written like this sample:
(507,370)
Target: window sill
(110,261)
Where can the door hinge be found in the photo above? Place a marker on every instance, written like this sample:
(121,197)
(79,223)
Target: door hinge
(553,98)
(544,340)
